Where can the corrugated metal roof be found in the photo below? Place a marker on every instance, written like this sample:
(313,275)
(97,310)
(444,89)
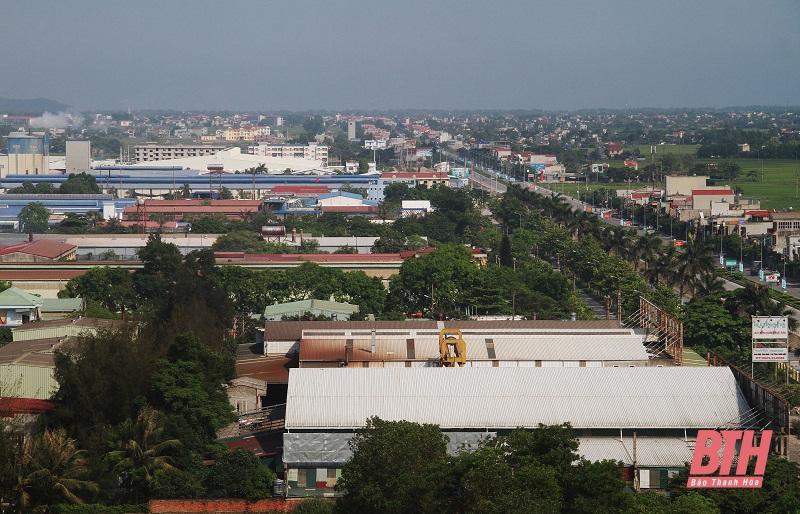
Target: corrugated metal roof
(651,452)
(474,398)
(293,330)
(601,347)
(61,304)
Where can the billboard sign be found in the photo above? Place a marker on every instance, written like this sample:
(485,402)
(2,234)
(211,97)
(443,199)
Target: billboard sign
(770,355)
(538,167)
(766,327)
(771,278)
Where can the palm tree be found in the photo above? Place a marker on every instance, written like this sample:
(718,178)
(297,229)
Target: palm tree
(667,265)
(186,191)
(50,470)
(697,259)
(710,284)
(144,453)
(756,300)
(647,250)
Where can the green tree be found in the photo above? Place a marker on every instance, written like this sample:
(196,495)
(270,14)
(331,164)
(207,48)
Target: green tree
(225,194)
(190,382)
(441,280)
(111,287)
(501,477)
(239,474)
(708,325)
(143,453)
(366,292)
(393,241)
(346,249)
(210,224)
(506,255)
(34,218)
(240,241)
(79,183)
(386,472)
(176,484)
(181,294)
(50,469)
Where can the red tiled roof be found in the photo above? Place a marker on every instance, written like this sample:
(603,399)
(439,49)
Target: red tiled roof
(758,213)
(11,406)
(231,211)
(420,175)
(310,190)
(149,224)
(708,192)
(321,257)
(40,274)
(216,203)
(353,209)
(42,248)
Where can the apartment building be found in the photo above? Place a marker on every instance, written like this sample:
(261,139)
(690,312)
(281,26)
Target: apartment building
(155,152)
(311,151)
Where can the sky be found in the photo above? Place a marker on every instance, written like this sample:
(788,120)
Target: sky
(302,55)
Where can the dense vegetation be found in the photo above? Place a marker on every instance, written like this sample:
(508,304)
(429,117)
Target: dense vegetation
(138,408)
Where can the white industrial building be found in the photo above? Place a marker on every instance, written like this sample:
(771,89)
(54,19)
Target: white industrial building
(606,406)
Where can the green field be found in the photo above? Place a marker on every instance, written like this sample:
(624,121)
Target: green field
(779,188)
(644,150)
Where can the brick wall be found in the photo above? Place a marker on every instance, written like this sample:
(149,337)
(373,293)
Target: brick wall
(227,506)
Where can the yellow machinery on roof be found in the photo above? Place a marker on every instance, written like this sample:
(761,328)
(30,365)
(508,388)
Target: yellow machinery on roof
(452,348)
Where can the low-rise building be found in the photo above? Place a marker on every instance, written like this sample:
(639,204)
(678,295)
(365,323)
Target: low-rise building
(41,250)
(326,407)
(18,307)
(334,310)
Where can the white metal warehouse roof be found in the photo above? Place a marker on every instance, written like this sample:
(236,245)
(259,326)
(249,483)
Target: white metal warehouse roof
(651,452)
(486,398)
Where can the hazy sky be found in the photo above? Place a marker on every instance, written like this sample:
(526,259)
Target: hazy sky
(352,54)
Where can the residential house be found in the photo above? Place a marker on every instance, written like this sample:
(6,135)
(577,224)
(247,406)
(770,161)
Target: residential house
(18,307)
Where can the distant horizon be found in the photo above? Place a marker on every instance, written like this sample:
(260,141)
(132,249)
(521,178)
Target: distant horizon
(732,108)
(357,55)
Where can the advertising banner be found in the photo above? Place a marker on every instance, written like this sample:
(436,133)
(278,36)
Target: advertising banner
(770,355)
(773,278)
(765,327)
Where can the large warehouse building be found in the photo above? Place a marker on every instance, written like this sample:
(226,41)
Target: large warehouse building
(606,406)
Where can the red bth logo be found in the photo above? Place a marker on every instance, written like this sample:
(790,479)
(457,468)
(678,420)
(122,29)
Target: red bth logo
(709,443)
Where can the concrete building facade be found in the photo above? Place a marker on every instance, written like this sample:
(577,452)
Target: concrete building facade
(155,152)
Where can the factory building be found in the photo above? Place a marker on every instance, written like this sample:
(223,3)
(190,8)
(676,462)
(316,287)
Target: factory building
(607,407)
(28,154)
